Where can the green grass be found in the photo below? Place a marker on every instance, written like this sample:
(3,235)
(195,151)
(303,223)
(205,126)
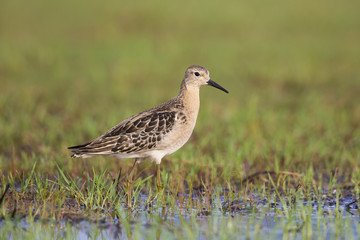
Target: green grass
(69,71)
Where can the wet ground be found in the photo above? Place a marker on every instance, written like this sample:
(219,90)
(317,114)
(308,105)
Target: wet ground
(326,217)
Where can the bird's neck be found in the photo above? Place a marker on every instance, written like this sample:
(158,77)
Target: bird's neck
(190,97)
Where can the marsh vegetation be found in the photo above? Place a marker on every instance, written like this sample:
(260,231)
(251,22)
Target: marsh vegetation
(276,158)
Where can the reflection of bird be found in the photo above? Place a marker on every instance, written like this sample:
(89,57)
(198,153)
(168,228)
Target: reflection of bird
(156,132)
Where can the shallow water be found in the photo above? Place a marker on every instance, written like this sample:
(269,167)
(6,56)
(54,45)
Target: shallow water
(258,218)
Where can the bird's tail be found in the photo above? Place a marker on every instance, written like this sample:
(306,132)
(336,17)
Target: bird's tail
(79,150)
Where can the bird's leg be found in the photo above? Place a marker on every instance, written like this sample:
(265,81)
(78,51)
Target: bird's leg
(159,186)
(130,174)
(158,178)
(128,179)
(129,185)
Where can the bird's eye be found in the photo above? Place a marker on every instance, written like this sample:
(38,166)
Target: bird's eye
(197,74)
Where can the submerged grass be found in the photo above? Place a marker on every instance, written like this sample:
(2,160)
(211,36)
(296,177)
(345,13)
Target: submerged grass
(284,206)
(98,207)
(277,157)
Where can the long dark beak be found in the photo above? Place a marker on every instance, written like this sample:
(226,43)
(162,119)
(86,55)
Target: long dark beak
(214,84)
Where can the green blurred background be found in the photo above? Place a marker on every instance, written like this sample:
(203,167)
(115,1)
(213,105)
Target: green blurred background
(70,70)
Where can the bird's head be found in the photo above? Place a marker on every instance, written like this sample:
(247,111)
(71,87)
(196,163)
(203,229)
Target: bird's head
(197,76)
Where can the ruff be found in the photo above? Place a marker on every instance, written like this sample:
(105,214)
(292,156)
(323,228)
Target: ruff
(158,131)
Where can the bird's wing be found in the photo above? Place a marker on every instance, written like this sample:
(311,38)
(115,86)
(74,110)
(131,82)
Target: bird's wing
(137,134)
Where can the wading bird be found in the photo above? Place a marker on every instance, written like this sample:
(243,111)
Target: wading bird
(156,132)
